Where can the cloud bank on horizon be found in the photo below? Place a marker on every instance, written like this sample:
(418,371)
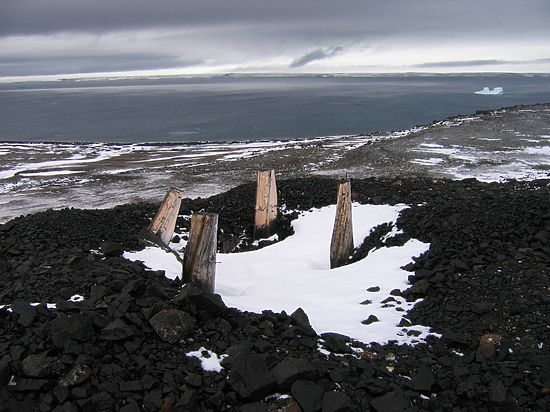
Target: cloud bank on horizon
(59,37)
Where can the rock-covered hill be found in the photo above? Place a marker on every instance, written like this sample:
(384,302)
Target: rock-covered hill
(485,283)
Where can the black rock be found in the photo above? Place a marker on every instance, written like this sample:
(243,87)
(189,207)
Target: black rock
(78,374)
(212,303)
(395,292)
(117,330)
(73,326)
(300,318)
(250,377)
(336,402)
(172,325)
(308,394)
(390,402)
(112,249)
(420,288)
(374,289)
(336,342)
(422,380)
(29,385)
(486,352)
(41,366)
(99,402)
(497,392)
(5,373)
(26,312)
(291,369)
(131,407)
(369,320)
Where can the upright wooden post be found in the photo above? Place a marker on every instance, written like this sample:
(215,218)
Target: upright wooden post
(341,245)
(199,264)
(164,222)
(266,204)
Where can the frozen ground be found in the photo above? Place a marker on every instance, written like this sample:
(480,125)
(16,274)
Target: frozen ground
(512,143)
(296,273)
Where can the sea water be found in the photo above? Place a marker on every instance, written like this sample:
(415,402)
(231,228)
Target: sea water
(225,108)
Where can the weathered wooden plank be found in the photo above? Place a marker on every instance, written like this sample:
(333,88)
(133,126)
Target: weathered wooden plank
(341,245)
(199,266)
(164,222)
(266,204)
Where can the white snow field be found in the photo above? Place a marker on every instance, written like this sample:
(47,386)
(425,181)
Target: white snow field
(295,272)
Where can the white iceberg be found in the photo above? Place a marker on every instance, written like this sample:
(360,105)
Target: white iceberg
(495,91)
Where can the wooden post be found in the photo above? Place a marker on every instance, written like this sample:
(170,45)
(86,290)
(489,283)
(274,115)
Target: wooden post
(164,222)
(266,204)
(199,265)
(341,245)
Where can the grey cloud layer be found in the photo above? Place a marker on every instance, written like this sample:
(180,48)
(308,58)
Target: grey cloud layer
(182,32)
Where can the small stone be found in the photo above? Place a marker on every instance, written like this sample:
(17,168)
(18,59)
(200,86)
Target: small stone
(40,366)
(300,318)
(77,375)
(291,369)
(487,351)
(111,249)
(26,312)
(172,325)
(490,337)
(308,394)
(117,330)
(390,402)
(395,292)
(369,320)
(336,402)
(250,377)
(422,380)
(374,289)
(497,392)
(336,342)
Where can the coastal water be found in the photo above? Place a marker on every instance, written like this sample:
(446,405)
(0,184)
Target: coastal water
(246,108)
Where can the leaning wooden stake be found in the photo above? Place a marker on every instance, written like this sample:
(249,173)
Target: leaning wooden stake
(341,245)
(199,266)
(164,222)
(266,204)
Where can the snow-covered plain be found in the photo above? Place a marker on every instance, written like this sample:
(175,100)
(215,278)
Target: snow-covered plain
(296,273)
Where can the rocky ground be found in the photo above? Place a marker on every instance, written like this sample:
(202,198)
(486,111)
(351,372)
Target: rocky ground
(485,282)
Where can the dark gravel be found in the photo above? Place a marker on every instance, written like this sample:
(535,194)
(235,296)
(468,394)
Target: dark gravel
(485,282)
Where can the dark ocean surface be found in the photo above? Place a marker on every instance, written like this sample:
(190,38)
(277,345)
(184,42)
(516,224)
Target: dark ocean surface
(246,108)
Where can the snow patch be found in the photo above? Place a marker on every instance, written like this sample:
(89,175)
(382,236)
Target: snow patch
(296,273)
(210,361)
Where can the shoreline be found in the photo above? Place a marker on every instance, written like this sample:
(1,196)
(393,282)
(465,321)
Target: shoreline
(453,118)
(511,143)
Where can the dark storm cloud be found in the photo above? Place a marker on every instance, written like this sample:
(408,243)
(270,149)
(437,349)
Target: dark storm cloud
(318,54)
(391,16)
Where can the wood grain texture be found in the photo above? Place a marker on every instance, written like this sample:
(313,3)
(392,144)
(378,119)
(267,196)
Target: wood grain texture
(341,245)
(164,222)
(266,204)
(199,266)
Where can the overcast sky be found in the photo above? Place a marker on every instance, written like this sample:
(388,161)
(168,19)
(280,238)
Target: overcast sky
(52,37)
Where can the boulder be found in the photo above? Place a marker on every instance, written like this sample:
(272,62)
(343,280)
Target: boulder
(291,369)
(250,377)
(172,325)
(308,394)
